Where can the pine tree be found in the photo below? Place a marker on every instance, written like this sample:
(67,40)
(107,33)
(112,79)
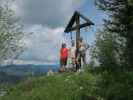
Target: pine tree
(120,22)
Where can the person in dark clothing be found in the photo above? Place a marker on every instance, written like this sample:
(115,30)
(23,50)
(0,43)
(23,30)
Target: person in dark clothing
(78,57)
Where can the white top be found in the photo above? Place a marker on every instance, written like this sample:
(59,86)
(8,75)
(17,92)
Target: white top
(50,72)
(72,52)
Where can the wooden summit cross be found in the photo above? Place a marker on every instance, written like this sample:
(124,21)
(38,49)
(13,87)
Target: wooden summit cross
(76,20)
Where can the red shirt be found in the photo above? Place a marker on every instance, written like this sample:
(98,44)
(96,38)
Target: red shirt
(63,53)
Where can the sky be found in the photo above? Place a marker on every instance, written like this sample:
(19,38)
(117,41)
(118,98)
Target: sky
(46,20)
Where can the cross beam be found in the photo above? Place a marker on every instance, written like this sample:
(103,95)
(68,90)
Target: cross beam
(76,19)
(74,28)
(77,28)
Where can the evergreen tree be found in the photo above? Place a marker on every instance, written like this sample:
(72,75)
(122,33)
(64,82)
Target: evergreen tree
(104,51)
(120,22)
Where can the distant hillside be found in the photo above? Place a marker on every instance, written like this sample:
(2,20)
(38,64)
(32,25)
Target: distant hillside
(13,73)
(9,79)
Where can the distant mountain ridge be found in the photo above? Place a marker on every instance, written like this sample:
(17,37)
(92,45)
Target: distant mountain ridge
(26,62)
(17,72)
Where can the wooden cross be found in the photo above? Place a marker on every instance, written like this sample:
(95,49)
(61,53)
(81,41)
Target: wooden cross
(76,19)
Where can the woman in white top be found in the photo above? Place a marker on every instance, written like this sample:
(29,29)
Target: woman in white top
(72,52)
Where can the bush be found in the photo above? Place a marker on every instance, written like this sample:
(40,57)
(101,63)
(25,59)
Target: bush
(116,86)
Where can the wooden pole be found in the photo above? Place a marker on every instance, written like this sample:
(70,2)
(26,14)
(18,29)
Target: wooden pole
(77,29)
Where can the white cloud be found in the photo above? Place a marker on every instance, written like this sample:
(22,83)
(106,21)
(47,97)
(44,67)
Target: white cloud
(46,20)
(43,44)
(52,13)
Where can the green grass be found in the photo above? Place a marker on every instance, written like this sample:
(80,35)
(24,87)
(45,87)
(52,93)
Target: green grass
(66,86)
(75,86)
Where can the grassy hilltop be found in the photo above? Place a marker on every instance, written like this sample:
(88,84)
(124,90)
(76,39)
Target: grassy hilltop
(67,86)
(74,86)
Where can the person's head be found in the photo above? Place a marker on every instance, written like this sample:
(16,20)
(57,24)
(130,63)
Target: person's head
(81,39)
(73,43)
(63,45)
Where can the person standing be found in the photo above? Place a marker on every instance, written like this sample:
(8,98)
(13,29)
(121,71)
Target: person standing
(81,53)
(82,50)
(73,55)
(63,57)
(78,56)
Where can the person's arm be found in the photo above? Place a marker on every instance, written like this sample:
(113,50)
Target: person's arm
(60,53)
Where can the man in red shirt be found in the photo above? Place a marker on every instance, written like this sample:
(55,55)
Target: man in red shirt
(63,57)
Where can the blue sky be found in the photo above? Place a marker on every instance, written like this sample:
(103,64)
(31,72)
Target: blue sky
(47,19)
(91,11)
